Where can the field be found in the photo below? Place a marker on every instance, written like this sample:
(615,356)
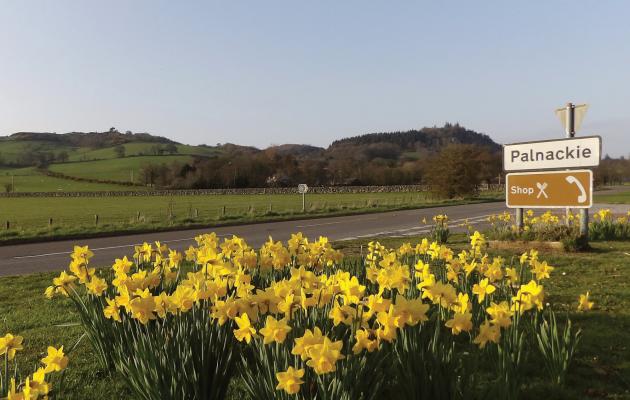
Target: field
(134,149)
(30,217)
(600,370)
(12,150)
(621,197)
(30,180)
(119,169)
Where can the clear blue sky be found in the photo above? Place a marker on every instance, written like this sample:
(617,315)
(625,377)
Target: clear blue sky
(270,72)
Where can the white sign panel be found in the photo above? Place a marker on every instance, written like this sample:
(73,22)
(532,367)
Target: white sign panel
(553,154)
(302,188)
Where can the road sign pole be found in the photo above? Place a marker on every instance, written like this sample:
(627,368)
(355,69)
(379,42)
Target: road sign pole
(570,132)
(303,202)
(519,220)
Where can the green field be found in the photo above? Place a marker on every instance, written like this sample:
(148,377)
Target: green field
(30,180)
(134,149)
(616,198)
(29,217)
(119,169)
(10,151)
(601,368)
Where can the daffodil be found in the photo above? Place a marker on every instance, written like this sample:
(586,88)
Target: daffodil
(482,289)
(364,340)
(245,329)
(324,356)
(487,333)
(10,344)
(290,380)
(111,310)
(55,361)
(584,303)
(542,270)
(142,306)
(461,322)
(500,314)
(274,330)
(96,286)
(304,344)
(122,265)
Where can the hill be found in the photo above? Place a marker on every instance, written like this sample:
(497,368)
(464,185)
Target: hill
(431,139)
(112,157)
(89,139)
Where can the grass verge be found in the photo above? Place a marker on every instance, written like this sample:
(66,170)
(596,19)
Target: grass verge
(29,218)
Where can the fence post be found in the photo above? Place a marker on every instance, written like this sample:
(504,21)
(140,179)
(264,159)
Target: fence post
(95,219)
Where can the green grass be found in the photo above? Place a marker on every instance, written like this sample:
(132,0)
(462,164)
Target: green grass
(11,150)
(29,217)
(134,149)
(30,180)
(601,368)
(616,198)
(113,170)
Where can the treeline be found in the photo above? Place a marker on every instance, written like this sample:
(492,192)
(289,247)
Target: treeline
(457,169)
(613,171)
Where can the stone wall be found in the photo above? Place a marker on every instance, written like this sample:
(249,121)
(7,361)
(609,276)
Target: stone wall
(250,191)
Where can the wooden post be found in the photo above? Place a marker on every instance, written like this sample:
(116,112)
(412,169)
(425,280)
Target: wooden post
(95,219)
(50,222)
(8,225)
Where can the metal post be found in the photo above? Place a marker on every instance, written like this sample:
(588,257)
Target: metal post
(303,202)
(570,132)
(519,220)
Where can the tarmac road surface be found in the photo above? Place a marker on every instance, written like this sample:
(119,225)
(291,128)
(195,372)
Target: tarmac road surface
(53,256)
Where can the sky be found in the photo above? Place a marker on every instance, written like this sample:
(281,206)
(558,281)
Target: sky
(271,72)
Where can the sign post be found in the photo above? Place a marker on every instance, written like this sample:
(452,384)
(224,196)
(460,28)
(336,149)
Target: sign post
(303,188)
(544,185)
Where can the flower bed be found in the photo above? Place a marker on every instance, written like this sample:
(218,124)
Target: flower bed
(297,321)
(549,227)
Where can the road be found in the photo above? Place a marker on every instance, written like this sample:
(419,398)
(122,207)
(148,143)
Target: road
(52,256)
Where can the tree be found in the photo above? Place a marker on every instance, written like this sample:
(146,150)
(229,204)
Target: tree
(120,151)
(157,150)
(454,171)
(171,148)
(62,156)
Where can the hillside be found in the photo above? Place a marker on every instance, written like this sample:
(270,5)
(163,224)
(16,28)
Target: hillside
(71,160)
(425,139)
